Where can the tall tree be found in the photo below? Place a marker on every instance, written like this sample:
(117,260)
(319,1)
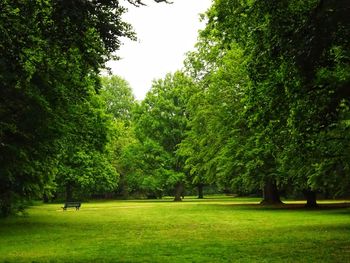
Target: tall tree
(294,104)
(119,101)
(51,53)
(215,112)
(162,119)
(86,161)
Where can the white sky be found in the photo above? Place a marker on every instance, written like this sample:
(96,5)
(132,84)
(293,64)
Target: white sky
(165,33)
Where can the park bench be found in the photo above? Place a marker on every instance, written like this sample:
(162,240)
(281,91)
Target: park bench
(71,204)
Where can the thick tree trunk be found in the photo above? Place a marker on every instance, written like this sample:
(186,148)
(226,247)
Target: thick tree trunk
(69,192)
(200,191)
(5,204)
(270,194)
(178,192)
(124,186)
(310,198)
(45,198)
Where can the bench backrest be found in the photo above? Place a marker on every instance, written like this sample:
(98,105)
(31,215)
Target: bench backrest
(72,204)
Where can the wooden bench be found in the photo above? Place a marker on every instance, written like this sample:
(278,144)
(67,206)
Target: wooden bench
(71,204)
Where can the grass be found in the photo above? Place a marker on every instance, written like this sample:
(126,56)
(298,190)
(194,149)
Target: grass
(220,229)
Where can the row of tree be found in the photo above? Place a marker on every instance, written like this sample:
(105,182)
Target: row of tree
(263,104)
(274,78)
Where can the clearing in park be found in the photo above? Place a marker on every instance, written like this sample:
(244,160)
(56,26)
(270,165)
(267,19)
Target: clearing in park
(217,229)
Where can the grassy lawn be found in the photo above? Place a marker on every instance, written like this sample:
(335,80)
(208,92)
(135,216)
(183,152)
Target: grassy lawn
(220,229)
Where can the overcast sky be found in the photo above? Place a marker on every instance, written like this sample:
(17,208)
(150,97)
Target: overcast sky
(165,33)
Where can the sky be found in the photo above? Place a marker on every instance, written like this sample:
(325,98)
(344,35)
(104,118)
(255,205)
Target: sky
(165,33)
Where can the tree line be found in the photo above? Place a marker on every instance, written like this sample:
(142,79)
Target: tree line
(261,106)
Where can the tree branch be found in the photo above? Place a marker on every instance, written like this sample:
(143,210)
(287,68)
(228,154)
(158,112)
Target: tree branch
(139,2)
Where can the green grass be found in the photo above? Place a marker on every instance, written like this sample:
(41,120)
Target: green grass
(211,230)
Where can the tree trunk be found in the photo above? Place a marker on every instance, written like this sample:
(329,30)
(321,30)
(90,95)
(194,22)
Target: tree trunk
(270,194)
(310,197)
(178,192)
(200,191)
(5,204)
(124,187)
(69,192)
(45,198)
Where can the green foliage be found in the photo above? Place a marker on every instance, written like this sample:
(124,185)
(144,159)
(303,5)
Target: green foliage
(271,104)
(117,94)
(86,159)
(119,101)
(215,108)
(51,53)
(160,125)
(267,102)
(143,164)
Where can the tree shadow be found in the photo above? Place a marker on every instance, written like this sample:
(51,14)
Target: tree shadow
(292,206)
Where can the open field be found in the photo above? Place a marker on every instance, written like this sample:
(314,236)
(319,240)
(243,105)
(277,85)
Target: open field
(221,229)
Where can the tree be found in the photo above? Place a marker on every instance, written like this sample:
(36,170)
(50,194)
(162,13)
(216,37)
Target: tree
(161,119)
(117,94)
(215,111)
(51,53)
(293,104)
(86,160)
(146,165)
(119,101)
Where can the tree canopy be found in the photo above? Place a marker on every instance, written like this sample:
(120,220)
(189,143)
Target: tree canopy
(287,117)
(262,105)
(51,54)
(161,121)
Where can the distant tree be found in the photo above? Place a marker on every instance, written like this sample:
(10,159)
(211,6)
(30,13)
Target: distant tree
(117,94)
(161,119)
(145,165)
(119,101)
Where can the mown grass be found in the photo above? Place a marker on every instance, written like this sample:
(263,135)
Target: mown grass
(209,230)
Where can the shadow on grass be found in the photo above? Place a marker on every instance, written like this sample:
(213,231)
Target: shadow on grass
(164,199)
(290,207)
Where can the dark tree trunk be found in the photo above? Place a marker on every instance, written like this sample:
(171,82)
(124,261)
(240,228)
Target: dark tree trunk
(5,204)
(124,186)
(178,192)
(45,198)
(200,191)
(310,198)
(270,194)
(69,192)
